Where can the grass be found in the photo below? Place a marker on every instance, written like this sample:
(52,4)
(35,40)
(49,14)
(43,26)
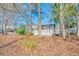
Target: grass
(30,43)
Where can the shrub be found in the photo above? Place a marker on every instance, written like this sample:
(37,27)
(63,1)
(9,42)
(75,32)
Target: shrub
(21,30)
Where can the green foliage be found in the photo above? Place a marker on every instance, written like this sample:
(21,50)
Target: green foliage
(77,9)
(54,10)
(29,44)
(69,10)
(21,30)
(54,13)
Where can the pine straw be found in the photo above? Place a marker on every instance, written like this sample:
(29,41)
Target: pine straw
(43,46)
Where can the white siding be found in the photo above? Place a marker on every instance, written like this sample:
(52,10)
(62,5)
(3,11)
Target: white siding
(47,31)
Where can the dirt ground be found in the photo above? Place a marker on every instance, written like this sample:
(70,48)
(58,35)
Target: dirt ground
(45,46)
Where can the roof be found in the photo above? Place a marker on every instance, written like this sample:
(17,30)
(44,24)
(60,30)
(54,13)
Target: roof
(47,25)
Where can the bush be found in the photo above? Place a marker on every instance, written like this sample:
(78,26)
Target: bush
(21,30)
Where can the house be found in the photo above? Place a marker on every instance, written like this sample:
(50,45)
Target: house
(47,29)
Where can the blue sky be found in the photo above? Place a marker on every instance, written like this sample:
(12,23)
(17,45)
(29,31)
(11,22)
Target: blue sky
(45,9)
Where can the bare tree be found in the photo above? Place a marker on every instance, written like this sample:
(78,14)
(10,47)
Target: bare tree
(7,9)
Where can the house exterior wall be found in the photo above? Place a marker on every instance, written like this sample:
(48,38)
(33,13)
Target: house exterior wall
(48,32)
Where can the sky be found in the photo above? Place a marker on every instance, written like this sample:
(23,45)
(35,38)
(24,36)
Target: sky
(46,16)
(45,9)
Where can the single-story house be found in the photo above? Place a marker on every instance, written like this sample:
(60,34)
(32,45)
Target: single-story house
(46,29)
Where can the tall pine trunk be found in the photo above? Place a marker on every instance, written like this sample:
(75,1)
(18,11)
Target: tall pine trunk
(53,31)
(27,25)
(77,20)
(62,21)
(30,7)
(69,28)
(4,26)
(39,21)
(78,26)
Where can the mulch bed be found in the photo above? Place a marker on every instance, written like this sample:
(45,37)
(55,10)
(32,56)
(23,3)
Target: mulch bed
(45,46)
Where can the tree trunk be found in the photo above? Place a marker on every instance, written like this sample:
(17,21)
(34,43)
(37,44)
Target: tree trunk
(39,21)
(2,27)
(15,24)
(60,34)
(77,20)
(5,21)
(78,26)
(62,21)
(54,30)
(30,6)
(27,25)
(69,28)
